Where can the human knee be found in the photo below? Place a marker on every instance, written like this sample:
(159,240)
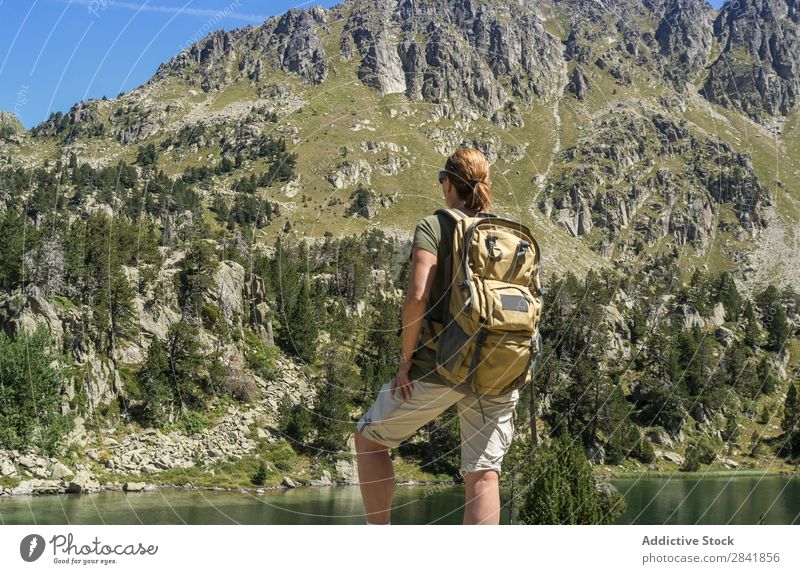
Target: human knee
(365,445)
(482,479)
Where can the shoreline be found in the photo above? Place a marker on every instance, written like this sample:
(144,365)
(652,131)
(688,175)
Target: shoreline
(156,487)
(625,475)
(603,476)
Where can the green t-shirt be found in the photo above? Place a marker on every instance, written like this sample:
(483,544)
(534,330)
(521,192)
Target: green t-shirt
(433,233)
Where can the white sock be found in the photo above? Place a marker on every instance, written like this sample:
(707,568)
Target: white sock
(377,524)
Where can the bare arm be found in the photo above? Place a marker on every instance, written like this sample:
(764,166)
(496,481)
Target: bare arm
(423,271)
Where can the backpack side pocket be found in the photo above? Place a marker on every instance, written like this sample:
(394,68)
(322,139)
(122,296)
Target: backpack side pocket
(453,346)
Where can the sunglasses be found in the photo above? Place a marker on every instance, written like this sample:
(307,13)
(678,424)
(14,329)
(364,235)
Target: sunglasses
(442,175)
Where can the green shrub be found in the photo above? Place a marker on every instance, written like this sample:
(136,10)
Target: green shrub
(706,451)
(260,476)
(731,431)
(295,421)
(32,376)
(692,462)
(192,422)
(764,414)
(260,357)
(644,450)
(561,488)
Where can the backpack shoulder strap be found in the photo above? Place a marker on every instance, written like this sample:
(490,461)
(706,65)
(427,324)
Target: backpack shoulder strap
(455,214)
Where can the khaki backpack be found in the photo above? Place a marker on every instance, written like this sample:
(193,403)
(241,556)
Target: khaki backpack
(489,338)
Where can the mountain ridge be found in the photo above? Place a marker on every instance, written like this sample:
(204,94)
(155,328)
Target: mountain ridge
(306,148)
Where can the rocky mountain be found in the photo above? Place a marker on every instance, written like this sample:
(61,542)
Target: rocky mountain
(10,127)
(756,71)
(645,138)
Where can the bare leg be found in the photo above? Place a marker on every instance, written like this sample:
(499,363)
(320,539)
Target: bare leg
(376,479)
(483,497)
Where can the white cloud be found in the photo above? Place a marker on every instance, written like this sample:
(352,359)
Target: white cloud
(97,6)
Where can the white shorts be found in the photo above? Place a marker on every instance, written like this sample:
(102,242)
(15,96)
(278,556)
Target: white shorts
(487,423)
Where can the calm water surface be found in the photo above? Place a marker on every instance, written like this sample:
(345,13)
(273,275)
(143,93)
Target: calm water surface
(745,500)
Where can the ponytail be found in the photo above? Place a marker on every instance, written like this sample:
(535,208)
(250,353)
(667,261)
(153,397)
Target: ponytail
(481,197)
(469,169)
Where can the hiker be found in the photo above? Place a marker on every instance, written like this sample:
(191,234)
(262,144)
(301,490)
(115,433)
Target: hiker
(417,394)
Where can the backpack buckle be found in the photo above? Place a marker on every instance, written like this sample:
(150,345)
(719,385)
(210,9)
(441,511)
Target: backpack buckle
(495,253)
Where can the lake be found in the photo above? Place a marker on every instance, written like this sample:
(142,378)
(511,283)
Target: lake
(729,500)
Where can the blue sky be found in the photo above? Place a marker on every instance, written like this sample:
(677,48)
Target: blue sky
(54,53)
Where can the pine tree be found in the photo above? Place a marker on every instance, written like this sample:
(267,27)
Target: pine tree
(177,375)
(121,309)
(725,292)
(332,405)
(260,475)
(778,329)
(302,327)
(692,462)
(699,292)
(791,420)
(768,382)
(11,255)
(774,316)
(30,393)
(153,383)
(281,278)
(378,357)
(637,323)
(560,487)
(659,403)
(755,442)
(198,268)
(752,332)
(731,432)
(188,372)
(442,453)
(295,421)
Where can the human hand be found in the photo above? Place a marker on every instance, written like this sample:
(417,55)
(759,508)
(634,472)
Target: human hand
(402,385)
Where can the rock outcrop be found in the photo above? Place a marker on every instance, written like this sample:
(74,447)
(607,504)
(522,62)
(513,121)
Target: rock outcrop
(472,56)
(685,36)
(291,42)
(609,180)
(757,70)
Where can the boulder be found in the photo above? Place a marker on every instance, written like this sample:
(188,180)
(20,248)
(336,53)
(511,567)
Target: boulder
(34,465)
(670,456)
(24,487)
(7,468)
(660,437)
(59,470)
(30,461)
(84,481)
(718,315)
(324,480)
(347,471)
(578,83)
(134,486)
(350,174)
(38,486)
(724,335)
